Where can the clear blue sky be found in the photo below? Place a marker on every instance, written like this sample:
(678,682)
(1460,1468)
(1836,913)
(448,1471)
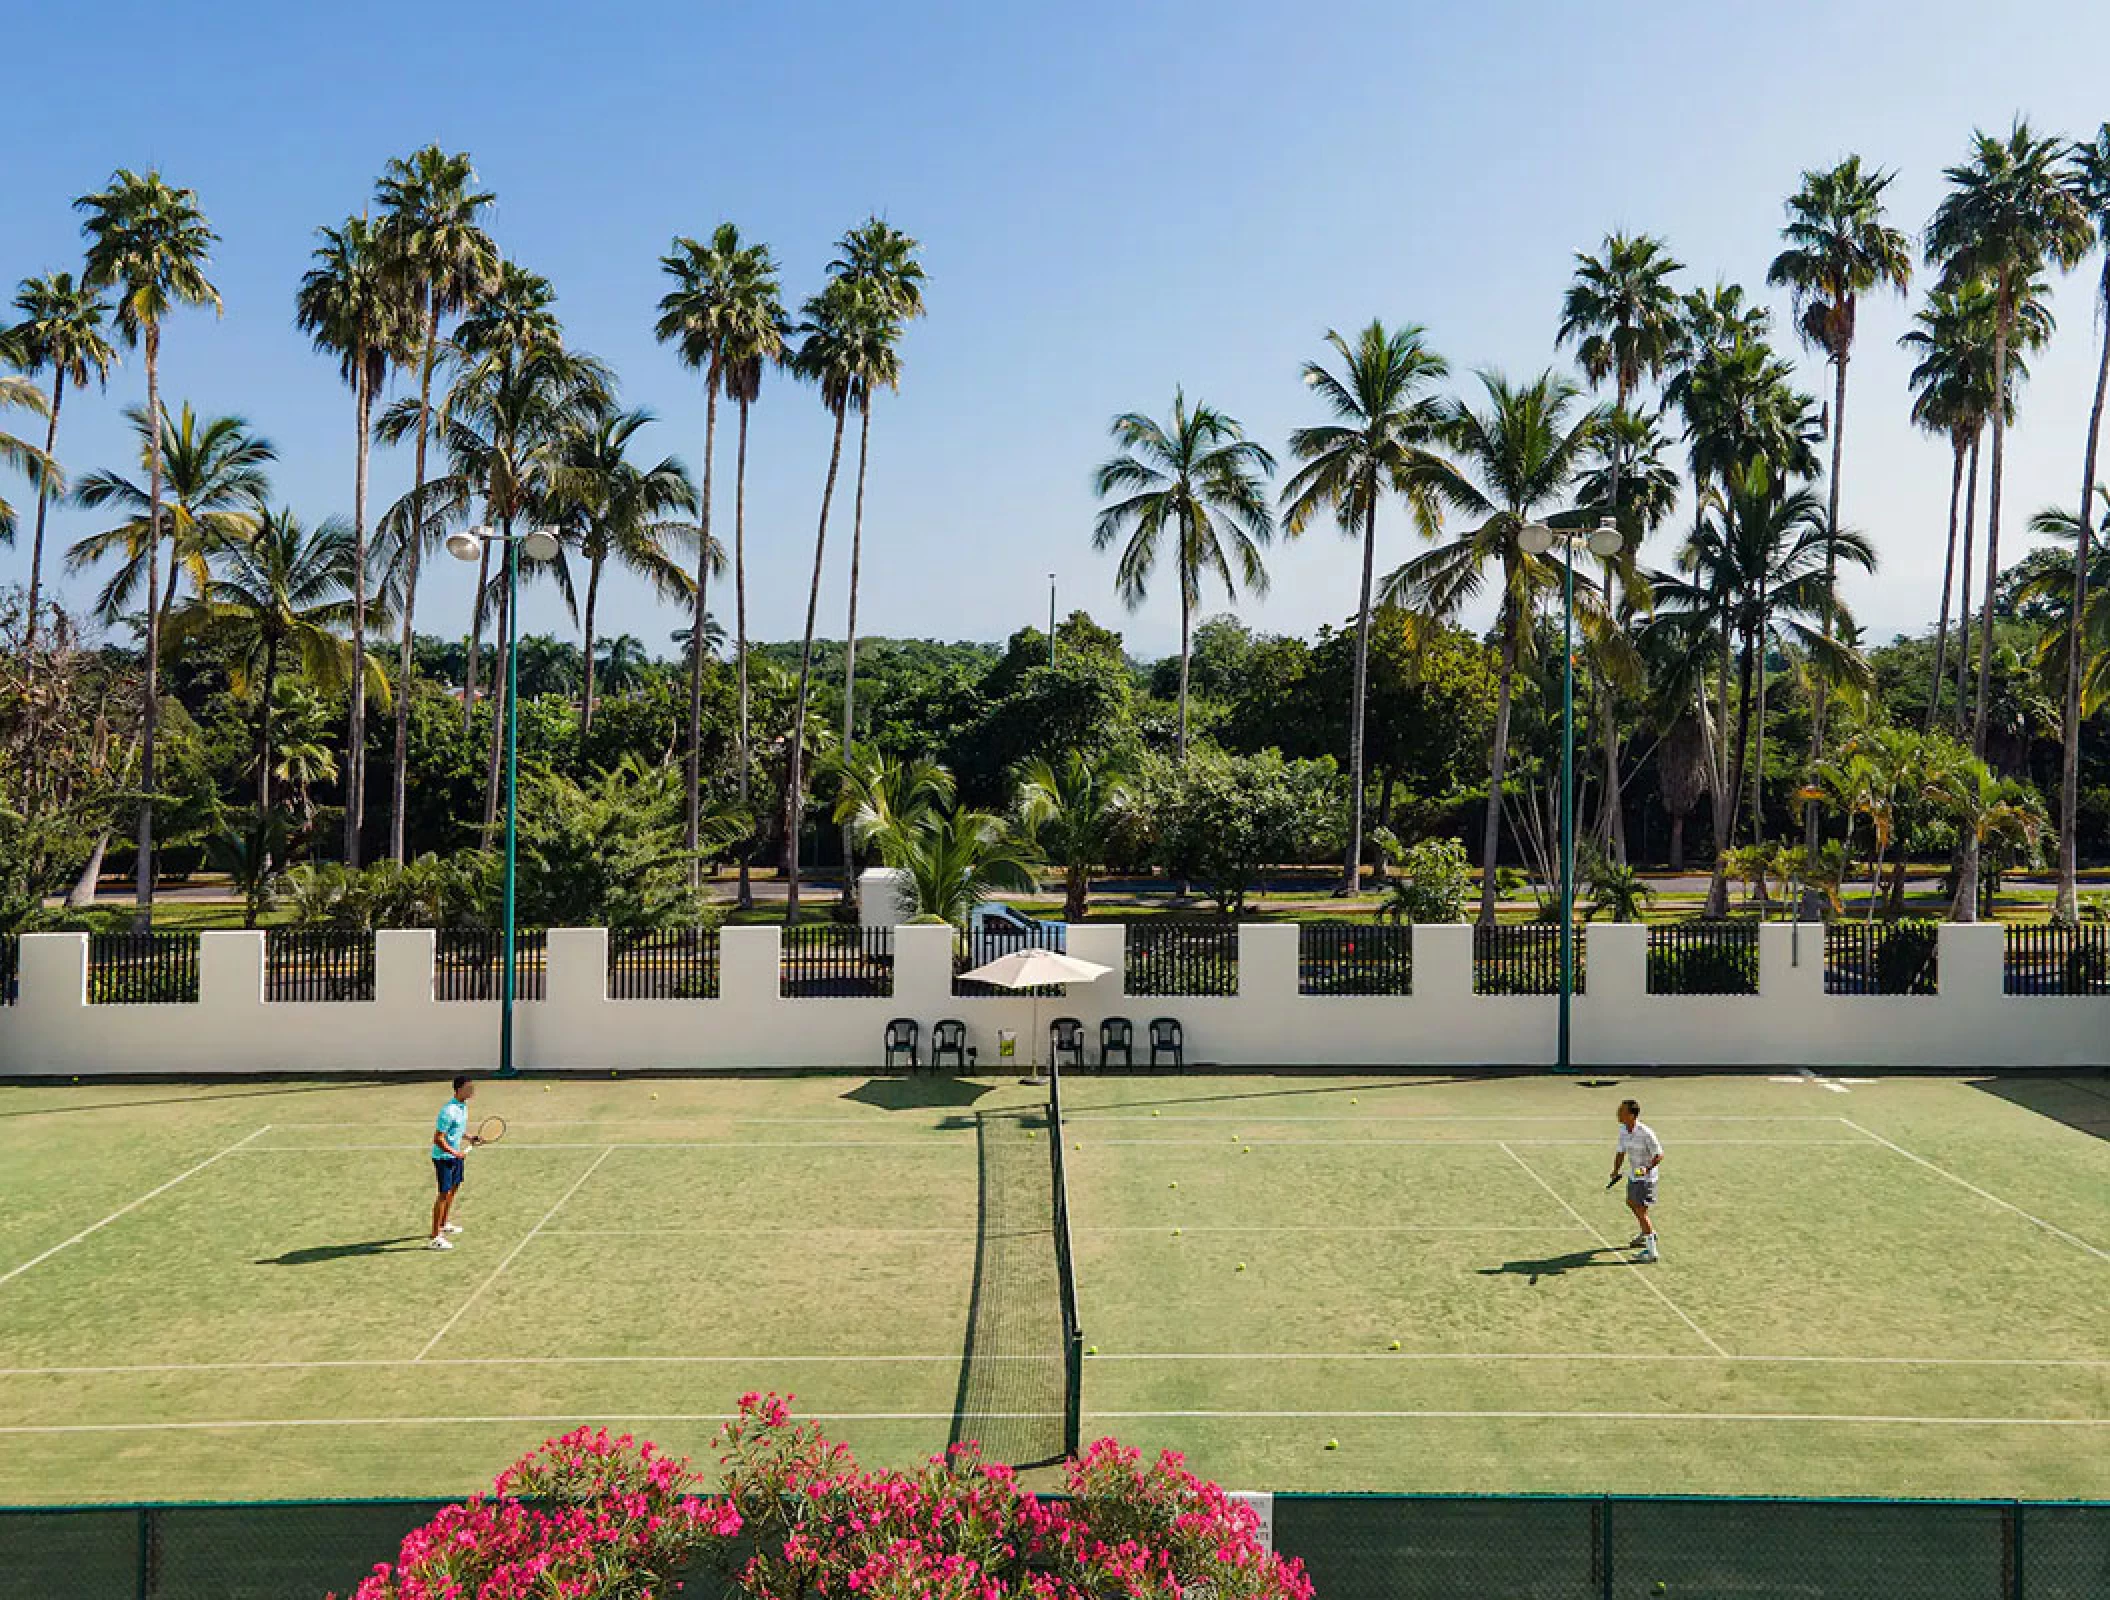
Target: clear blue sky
(1112,200)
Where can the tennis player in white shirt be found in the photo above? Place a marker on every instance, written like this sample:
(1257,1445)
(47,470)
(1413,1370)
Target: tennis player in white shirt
(1641,1153)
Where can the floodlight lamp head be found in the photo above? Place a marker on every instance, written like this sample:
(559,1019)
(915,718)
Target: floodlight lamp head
(466,544)
(539,545)
(1606,539)
(1535,538)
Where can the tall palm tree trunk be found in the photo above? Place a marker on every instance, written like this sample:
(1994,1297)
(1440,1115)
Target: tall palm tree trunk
(1740,750)
(857,539)
(476,632)
(150,706)
(263,730)
(747,889)
(795,777)
(355,733)
(2066,905)
(1811,828)
(1992,537)
(36,547)
(1491,832)
(699,622)
(1963,610)
(1948,584)
(399,763)
(593,595)
(1352,863)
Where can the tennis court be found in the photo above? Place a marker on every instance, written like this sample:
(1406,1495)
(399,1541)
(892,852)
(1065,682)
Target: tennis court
(1896,1287)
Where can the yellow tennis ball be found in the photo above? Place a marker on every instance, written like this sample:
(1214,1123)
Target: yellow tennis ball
(1394,1345)
(1333,1444)
(1241,1266)
(611,1072)
(1091,1349)
(1154,1113)
(1352,1100)
(655,1094)
(1175,1233)
(545,1088)
(1173,1185)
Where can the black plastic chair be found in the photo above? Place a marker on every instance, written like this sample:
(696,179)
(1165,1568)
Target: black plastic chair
(948,1038)
(1066,1039)
(1117,1034)
(1168,1038)
(901,1036)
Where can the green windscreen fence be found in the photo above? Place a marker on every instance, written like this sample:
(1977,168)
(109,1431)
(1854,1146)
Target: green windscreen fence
(1356,1547)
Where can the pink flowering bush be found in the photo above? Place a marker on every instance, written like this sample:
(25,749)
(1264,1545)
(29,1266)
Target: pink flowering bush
(597,1518)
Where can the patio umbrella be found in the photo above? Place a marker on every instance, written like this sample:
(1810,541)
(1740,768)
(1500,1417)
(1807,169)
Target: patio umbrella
(1035,969)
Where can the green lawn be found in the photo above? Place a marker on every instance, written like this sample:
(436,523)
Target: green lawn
(1898,1287)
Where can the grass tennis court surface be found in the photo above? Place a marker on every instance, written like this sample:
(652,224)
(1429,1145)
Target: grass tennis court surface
(1897,1287)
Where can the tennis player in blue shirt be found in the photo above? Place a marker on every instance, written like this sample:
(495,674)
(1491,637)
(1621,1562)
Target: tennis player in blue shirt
(450,1146)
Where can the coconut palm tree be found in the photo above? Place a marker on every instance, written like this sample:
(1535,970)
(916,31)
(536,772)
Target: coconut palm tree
(150,243)
(61,330)
(214,486)
(725,315)
(22,393)
(355,309)
(953,860)
(616,510)
(2011,210)
(1513,459)
(1194,482)
(1378,444)
(2091,185)
(438,253)
(623,660)
(2049,594)
(1621,313)
(1078,804)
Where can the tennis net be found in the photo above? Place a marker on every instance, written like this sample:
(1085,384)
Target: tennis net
(1066,1276)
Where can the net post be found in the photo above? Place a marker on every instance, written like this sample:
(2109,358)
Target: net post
(1073,1398)
(146,1546)
(1604,1549)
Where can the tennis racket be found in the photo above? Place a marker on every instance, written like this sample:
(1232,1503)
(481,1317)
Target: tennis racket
(489,1131)
(1613,1182)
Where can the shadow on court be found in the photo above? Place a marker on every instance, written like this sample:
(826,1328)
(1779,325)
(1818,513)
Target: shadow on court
(917,1093)
(2080,1100)
(1554,1266)
(316,1253)
(245,1093)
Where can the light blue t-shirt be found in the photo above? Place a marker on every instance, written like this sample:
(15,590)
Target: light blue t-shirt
(454,1123)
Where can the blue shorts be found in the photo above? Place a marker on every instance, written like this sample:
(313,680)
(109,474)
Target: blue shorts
(447,1170)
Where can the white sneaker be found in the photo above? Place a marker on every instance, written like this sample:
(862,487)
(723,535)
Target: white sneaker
(440,1242)
(456,1227)
(1648,1253)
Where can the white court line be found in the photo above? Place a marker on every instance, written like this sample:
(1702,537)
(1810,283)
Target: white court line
(1463,1141)
(1262,1120)
(92,1227)
(1631,1266)
(573,1418)
(952,1358)
(653,1144)
(526,1238)
(2048,1227)
(1083,1227)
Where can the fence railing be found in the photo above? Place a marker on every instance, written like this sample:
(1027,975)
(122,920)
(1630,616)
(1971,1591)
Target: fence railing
(978,949)
(1182,958)
(10,967)
(1703,957)
(469,964)
(1523,958)
(1354,1547)
(666,964)
(2045,959)
(822,961)
(129,969)
(1354,958)
(1882,958)
(318,964)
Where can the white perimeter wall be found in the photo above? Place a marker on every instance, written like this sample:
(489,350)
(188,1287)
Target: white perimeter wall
(52,1030)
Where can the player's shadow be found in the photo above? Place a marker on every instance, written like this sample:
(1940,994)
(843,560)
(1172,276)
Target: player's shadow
(1553,1266)
(316,1253)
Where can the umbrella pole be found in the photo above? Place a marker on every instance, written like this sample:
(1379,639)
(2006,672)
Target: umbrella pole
(1033,1079)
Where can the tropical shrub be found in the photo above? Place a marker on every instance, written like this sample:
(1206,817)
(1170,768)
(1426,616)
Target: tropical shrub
(1433,883)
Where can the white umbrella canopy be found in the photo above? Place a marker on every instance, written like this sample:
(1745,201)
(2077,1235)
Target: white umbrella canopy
(1035,969)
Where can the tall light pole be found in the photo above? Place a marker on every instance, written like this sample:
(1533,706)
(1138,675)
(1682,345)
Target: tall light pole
(1051,619)
(538,544)
(1537,539)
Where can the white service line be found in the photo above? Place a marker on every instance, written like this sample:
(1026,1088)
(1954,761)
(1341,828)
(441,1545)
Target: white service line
(1461,1142)
(1263,1120)
(1631,1266)
(2005,1205)
(1623,1416)
(16,1272)
(645,1144)
(577,1184)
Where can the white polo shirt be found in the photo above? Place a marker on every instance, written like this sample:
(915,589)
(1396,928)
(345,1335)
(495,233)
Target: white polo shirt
(1640,1146)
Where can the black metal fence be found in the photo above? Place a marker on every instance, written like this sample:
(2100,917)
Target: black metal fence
(1354,1547)
(10,967)
(824,961)
(1182,958)
(2043,959)
(978,949)
(666,964)
(1703,958)
(318,964)
(1882,958)
(129,969)
(469,964)
(1354,958)
(1523,958)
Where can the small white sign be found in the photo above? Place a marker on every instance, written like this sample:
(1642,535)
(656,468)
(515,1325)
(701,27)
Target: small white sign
(1263,1504)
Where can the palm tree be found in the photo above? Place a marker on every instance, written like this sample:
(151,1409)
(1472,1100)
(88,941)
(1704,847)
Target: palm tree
(149,242)
(1194,481)
(953,860)
(1078,804)
(617,510)
(440,257)
(623,659)
(2091,183)
(1986,810)
(61,329)
(1517,456)
(282,595)
(725,314)
(1621,313)
(1378,445)
(355,310)
(214,486)
(878,794)
(19,392)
